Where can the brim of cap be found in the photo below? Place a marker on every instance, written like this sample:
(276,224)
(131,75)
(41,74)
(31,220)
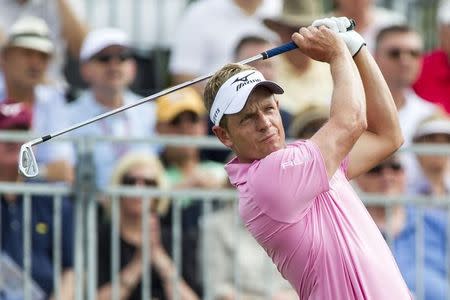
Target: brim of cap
(168,115)
(433,127)
(34,43)
(95,50)
(238,103)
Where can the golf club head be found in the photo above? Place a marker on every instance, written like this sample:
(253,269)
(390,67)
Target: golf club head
(27,162)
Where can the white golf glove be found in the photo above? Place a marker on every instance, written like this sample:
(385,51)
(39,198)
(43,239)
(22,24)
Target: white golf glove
(352,39)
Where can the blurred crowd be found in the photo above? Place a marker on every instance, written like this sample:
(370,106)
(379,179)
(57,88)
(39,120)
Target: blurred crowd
(37,38)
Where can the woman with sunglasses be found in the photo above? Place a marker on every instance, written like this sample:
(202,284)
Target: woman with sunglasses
(140,170)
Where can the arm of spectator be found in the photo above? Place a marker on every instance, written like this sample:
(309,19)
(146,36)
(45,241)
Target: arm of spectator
(383,135)
(217,261)
(129,279)
(73,30)
(59,170)
(67,285)
(165,268)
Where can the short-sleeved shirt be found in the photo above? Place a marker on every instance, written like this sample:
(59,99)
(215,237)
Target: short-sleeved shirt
(49,115)
(137,122)
(316,230)
(42,231)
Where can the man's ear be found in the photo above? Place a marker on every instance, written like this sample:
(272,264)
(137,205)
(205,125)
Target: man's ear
(223,136)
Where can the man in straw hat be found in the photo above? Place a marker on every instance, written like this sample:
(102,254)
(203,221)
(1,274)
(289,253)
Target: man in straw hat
(307,81)
(295,199)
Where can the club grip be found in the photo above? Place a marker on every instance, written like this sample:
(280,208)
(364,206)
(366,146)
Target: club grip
(291,45)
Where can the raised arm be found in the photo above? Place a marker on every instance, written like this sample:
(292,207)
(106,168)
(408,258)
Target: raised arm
(348,110)
(383,135)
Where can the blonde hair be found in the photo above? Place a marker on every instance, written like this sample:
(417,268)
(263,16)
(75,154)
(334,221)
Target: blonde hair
(131,160)
(217,80)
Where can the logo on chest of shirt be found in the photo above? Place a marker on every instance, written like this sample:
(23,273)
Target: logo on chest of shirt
(291,163)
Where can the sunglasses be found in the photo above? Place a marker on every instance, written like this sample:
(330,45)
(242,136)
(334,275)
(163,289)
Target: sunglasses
(133,180)
(395,53)
(394,166)
(106,58)
(189,116)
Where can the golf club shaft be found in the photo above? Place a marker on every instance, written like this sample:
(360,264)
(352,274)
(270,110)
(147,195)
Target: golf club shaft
(264,55)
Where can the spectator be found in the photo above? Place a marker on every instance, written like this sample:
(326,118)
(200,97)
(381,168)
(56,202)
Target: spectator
(24,60)
(389,179)
(306,81)
(309,121)
(183,113)
(142,170)
(107,65)
(397,52)
(18,117)
(435,168)
(228,245)
(369,18)
(205,37)
(66,30)
(434,80)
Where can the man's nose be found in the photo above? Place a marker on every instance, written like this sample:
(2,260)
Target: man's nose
(263,121)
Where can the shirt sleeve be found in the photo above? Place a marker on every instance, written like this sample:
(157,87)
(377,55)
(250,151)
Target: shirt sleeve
(286,182)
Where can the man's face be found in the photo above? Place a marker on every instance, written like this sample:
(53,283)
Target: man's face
(113,68)
(266,67)
(9,155)
(25,68)
(388,178)
(354,6)
(434,163)
(186,123)
(399,58)
(257,130)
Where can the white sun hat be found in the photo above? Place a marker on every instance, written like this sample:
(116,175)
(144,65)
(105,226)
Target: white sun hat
(31,33)
(233,94)
(102,38)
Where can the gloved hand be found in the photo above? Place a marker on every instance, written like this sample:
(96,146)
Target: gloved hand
(352,39)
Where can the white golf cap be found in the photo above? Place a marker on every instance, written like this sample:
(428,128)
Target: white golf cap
(437,126)
(443,13)
(233,94)
(99,39)
(31,33)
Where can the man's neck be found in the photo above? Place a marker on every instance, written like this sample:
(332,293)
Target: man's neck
(362,17)
(395,225)
(20,94)
(248,6)
(436,181)
(8,175)
(110,99)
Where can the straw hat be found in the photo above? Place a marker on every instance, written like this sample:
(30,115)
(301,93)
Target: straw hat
(296,13)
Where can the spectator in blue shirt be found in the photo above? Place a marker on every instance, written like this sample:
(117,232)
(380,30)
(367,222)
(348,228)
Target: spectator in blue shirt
(18,117)
(389,179)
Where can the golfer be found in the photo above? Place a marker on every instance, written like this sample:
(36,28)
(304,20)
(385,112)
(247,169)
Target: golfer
(295,199)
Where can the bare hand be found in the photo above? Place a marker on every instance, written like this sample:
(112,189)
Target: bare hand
(60,170)
(320,44)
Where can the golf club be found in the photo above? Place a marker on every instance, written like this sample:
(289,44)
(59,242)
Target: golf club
(27,161)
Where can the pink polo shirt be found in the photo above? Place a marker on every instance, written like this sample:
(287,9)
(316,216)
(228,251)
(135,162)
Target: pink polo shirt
(317,231)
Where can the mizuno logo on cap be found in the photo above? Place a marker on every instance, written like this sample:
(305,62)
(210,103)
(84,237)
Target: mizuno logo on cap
(244,81)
